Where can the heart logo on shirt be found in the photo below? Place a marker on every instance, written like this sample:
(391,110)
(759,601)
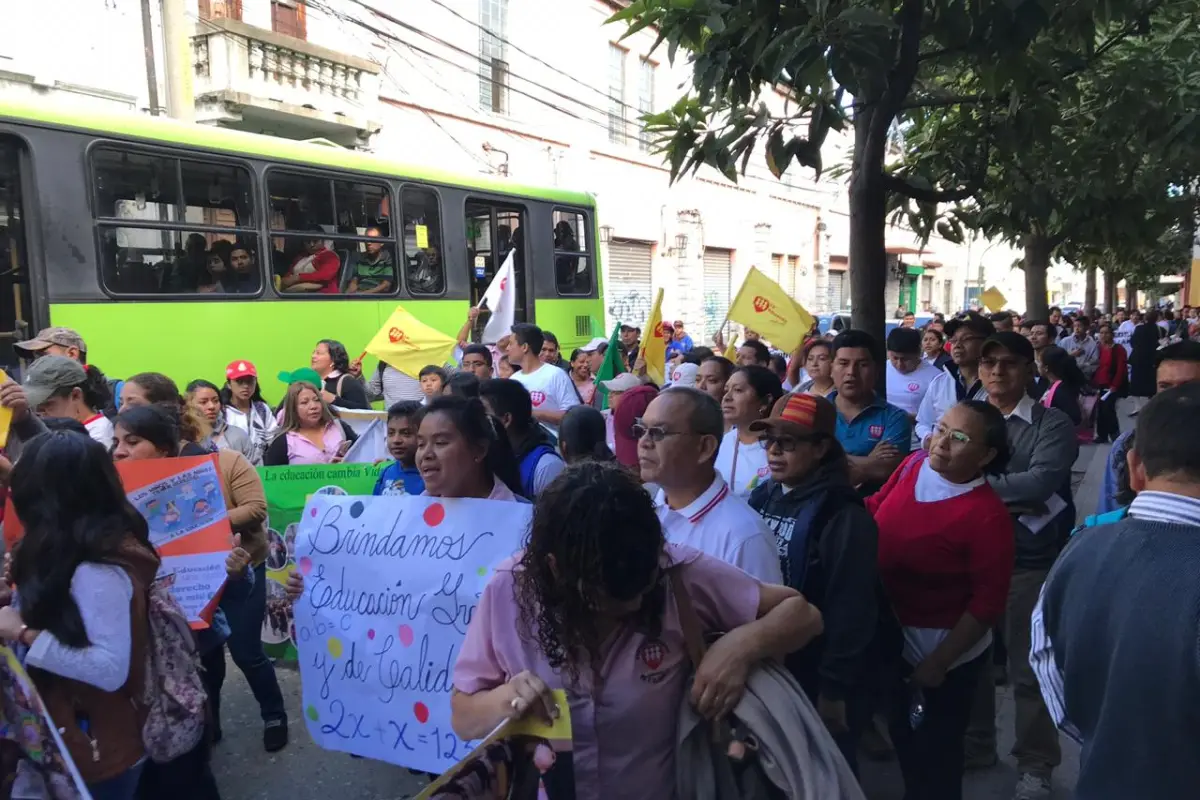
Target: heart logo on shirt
(652,652)
(914,386)
(537,397)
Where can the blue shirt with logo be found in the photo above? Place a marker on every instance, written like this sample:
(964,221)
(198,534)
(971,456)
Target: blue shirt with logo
(396,479)
(880,421)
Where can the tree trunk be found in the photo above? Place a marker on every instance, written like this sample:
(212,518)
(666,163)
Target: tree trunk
(868,221)
(1089,290)
(1037,261)
(1110,291)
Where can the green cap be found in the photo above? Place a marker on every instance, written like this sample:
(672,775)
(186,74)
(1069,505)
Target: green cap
(304,374)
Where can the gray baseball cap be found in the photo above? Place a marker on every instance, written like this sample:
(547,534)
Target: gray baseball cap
(48,375)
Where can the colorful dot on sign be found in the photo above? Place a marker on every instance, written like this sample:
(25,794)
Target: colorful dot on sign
(335,646)
(305,564)
(371,633)
(421,712)
(356,509)
(312,513)
(482,571)
(434,515)
(406,635)
(311,712)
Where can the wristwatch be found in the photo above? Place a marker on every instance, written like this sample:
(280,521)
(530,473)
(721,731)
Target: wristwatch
(21,635)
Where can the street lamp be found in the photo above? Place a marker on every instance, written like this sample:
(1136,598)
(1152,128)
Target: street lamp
(605,234)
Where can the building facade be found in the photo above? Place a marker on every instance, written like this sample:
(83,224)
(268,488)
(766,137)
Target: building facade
(544,94)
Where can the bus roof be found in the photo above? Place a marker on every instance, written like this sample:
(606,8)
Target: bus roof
(170,131)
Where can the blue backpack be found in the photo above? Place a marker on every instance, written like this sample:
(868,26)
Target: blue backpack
(529,466)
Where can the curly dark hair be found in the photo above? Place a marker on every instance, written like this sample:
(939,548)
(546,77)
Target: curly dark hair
(597,526)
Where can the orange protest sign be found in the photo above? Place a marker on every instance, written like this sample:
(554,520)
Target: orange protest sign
(184,507)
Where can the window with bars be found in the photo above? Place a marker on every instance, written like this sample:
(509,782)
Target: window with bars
(617,130)
(289,18)
(493,63)
(645,100)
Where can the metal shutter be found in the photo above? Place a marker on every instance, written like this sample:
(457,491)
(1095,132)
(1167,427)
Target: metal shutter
(837,290)
(628,289)
(718,269)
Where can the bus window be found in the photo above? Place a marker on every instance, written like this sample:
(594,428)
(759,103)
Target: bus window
(169,226)
(493,233)
(572,262)
(424,271)
(331,236)
(15,298)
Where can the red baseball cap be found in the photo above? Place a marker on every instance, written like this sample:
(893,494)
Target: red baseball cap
(240,369)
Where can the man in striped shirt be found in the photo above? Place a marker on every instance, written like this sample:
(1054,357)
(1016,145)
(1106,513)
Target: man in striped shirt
(1115,635)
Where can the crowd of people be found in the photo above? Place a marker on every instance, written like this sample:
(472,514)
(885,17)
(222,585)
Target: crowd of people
(903,540)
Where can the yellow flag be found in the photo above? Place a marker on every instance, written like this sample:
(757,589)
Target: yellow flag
(763,306)
(409,344)
(654,348)
(731,349)
(992,299)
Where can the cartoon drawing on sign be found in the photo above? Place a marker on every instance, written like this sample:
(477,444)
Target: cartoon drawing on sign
(179,505)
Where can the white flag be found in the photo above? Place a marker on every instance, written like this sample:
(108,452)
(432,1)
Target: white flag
(371,445)
(501,299)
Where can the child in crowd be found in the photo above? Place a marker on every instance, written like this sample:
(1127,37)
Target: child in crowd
(401,476)
(433,381)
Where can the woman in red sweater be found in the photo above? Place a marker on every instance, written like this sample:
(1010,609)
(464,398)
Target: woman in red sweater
(1110,380)
(945,559)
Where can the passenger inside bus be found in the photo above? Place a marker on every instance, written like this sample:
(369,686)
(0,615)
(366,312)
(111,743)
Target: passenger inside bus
(374,272)
(315,269)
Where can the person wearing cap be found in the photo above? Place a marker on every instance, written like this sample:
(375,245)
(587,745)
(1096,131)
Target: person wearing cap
(827,552)
(1036,487)
(679,436)
(631,341)
(680,341)
(960,379)
(684,374)
(875,434)
(596,349)
(59,386)
(245,408)
(947,578)
(59,341)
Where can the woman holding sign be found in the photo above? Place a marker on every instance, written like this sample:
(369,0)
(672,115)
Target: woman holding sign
(83,570)
(587,607)
(153,432)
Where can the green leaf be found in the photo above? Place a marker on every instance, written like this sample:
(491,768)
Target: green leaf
(777,156)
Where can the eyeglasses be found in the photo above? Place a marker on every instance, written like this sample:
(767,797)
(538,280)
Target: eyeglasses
(786,442)
(956,436)
(656,433)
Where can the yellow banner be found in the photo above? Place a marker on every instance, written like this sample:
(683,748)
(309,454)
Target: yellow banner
(731,349)
(654,348)
(763,306)
(409,344)
(992,299)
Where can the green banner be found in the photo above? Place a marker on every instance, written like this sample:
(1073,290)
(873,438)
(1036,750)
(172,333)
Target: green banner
(288,489)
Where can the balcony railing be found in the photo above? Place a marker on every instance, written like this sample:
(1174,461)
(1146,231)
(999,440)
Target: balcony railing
(242,71)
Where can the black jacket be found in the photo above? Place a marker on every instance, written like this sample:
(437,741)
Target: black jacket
(837,572)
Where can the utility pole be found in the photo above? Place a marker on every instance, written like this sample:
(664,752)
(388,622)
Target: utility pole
(151,66)
(177,52)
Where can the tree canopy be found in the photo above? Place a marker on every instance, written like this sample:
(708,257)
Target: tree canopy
(866,65)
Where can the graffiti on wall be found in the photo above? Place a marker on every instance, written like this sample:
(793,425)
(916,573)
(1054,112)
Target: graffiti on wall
(715,310)
(631,305)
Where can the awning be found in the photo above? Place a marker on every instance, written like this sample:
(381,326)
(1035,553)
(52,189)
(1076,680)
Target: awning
(930,263)
(901,249)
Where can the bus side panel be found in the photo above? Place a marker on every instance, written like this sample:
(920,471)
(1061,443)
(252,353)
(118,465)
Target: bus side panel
(197,340)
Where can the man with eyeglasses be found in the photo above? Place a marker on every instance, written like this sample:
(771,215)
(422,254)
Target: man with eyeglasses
(1037,490)
(678,438)
(960,379)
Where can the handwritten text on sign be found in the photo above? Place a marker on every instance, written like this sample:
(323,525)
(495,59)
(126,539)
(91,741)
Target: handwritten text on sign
(391,584)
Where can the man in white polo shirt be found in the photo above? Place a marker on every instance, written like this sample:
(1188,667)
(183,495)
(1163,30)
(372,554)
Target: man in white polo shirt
(678,437)
(550,389)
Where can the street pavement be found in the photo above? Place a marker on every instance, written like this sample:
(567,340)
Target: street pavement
(302,770)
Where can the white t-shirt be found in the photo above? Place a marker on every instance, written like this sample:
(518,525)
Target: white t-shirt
(907,391)
(743,466)
(100,428)
(724,527)
(550,389)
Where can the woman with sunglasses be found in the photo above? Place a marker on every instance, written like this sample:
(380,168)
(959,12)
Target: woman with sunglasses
(827,546)
(945,557)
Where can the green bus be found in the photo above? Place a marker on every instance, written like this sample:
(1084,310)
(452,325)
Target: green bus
(163,243)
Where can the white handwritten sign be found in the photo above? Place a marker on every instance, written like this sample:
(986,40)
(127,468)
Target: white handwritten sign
(391,584)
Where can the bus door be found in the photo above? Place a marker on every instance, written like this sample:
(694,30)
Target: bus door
(494,231)
(16,300)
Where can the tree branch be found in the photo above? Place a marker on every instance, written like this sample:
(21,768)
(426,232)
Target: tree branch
(897,184)
(948,100)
